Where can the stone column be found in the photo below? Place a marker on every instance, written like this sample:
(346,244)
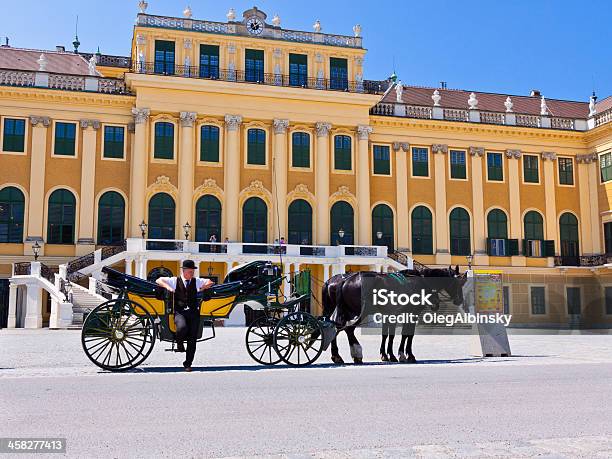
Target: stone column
(548,172)
(232,177)
(37,180)
(516,222)
(480,237)
(401,187)
(595,219)
(587,246)
(186,165)
(12,306)
(138,172)
(279,167)
(128,266)
(87,200)
(322,183)
(441,228)
(364,217)
(33,317)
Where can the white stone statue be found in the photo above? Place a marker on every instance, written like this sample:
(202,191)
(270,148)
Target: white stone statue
(92,66)
(359,82)
(473,102)
(320,77)
(276,22)
(42,63)
(231,15)
(436,98)
(543,107)
(357,30)
(187,12)
(231,71)
(141,61)
(592,106)
(142,5)
(317,26)
(399,90)
(277,75)
(508,105)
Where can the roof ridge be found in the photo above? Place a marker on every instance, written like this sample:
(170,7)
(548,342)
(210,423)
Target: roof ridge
(49,51)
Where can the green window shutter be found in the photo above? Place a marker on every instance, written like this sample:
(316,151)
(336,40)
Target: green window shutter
(458,164)
(530,169)
(298,70)
(256,147)
(164,141)
(495,170)
(14,135)
(382,160)
(209,61)
(420,162)
(114,138)
(549,249)
(300,149)
(209,143)
(513,247)
(566,171)
(342,153)
(65,139)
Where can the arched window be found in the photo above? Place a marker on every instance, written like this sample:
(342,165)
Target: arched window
(534,226)
(300,222)
(256,146)
(568,235)
(12,205)
(164,141)
(342,218)
(382,225)
(161,216)
(497,224)
(111,218)
(208,218)
(460,232)
(255,221)
(61,217)
(422,231)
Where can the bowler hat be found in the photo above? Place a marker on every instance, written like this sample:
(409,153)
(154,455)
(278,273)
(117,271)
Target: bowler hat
(188,264)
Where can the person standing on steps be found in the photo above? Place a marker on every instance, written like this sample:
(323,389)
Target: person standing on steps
(186,307)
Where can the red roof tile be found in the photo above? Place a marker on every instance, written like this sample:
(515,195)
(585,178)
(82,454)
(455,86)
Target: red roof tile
(57,62)
(603,105)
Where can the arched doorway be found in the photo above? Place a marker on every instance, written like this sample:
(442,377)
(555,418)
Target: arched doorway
(382,226)
(568,236)
(300,222)
(342,224)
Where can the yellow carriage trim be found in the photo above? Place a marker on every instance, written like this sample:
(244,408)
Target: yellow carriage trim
(217,307)
(152,305)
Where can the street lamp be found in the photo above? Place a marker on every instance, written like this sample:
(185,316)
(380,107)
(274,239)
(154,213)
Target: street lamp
(341,235)
(379,234)
(143,228)
(36,249)
(186,228)
(469,259)
(210,269)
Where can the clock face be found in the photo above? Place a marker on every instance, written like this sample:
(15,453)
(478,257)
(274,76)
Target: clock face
(254,25)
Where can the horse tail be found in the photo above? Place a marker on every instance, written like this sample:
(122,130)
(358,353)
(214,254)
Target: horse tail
(325,299)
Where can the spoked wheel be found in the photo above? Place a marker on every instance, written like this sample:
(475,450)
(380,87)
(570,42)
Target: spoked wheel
(298,339)
(118,335)
(260,341)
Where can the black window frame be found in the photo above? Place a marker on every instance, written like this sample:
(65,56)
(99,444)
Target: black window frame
(566,171)
(13,135)
(114,147)
(12,215)
(343,152)
(422,240)
(531,169)
(163,140)
(64,141)
(537,308)
(381,159)
(256,147)
(165,57)
(298,70)
(61,217)
(458,171)
(300,149)
(111,218)
(419,167)
(605,167)
(254,65)
(209,61)
(338,73)
(495,172)
(209,143)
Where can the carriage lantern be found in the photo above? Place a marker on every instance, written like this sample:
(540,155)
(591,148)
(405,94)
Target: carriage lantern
(469,259)
(186,228)
(143,228)
(36,249)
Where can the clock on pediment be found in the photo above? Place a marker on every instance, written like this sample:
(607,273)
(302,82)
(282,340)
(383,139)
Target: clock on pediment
(254,25)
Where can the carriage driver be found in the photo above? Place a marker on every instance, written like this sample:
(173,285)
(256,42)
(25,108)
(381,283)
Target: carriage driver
(186,307)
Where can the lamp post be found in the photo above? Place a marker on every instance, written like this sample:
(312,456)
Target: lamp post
(186,228)
(379,235)
(36,249)
(341,235)
(469,259)
(143,228)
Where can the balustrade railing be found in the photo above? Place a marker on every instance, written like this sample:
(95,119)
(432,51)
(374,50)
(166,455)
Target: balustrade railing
(17,78)
(562,123)
(603,117)
(417,111)
(492,118)
(528,120)
(111,250)
(79,263)
(48,272)
(453,114)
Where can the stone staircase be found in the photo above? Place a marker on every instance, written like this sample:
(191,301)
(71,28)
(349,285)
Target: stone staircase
(83,301)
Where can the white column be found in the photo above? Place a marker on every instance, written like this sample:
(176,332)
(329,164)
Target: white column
(128,266)
(286,278)
(279,167)
(364,217)
(141,268)
(87,198)
(12,306)
(442,231)
(33,317)
(231,177)
(37,178)
(322,183)
(338,268)
(138,171)
(326,275)
(186,167)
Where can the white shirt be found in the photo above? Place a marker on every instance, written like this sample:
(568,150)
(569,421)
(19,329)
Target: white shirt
(200,282)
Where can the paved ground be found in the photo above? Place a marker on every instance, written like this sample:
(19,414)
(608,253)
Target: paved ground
(551,399)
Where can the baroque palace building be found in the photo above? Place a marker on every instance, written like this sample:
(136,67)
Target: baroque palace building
(214,140)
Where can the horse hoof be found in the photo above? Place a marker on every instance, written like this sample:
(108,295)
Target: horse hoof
(392,358)
(358,361)
(384,358)
(402,357)
(412,359)
(337,360)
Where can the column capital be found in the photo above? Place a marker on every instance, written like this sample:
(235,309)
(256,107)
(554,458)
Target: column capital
(586,159)
(42,121)
(516,154)
(281,126)
(549,155)
(188,118)
(141,115)
(476,151)
(405,146)
(322,128)
(233,122)
(363,132)
(439,148)
(94,124)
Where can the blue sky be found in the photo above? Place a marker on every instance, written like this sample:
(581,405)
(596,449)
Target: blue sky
(563,48)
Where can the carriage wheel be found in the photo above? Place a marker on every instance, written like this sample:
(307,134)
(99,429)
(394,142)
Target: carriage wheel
(118,335)
(260,341)
(298,339)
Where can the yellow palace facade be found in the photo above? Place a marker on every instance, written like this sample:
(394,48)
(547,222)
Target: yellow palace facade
(231,141)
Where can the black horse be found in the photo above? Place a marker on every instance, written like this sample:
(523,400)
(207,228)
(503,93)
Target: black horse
(342,301)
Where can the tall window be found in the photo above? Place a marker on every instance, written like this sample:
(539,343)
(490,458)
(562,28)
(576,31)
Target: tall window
(566,171)
(460,232)
(111,218)
(114,138)
(254,65)
(342,152)
(338,73)
(298,70)
(65,139)
(568,236)
(530,169)
(255,221)
(164,57)
(422,231)
(300,222)
(13,135)
(342,224)
(534,234)
(209,143)
(209,61)
(256,146)
(605,166)
(208,219)
(382,226)
(382,160)
(300,149)
(608,237)
(574,300)
(608,300)
(495,168)
(161,216)
(61,217)
(420,162)
(538,300)
(497,226)
(457,164)
(12,205)
(164,140)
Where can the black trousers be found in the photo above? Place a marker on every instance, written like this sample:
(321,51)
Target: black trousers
(187,327)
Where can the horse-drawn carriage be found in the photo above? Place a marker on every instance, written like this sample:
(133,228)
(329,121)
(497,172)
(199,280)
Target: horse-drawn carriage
(121,333)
